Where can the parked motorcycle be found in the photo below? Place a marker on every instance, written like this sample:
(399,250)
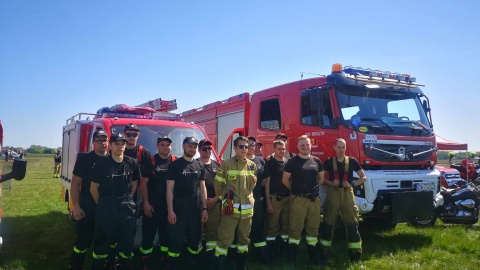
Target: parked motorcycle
(457,205)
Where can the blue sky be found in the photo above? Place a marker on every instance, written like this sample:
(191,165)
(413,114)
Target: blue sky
(59,58)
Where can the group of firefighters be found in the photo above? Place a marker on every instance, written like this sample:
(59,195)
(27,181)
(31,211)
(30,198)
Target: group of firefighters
(266,202)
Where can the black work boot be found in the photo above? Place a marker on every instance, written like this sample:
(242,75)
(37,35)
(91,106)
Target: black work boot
(77,261)
(324,254)
(355,257)
(172,263)
(98,264)
(232,257)
(314,255)
(263,255)
(220,262)
(211,259)
(163,259)
(146,262)
(242,261)
(76,267)
(292,254)
(271,250)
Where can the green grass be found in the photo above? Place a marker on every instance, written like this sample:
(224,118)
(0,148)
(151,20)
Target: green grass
(37,234)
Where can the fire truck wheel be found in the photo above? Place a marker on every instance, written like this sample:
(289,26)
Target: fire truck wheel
(425,223)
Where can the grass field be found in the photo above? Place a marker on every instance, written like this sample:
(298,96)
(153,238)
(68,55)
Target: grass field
(38,235)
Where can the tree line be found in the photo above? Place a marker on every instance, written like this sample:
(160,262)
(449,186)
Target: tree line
(34,149)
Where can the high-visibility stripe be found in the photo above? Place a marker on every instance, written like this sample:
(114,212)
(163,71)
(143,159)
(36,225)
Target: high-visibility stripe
(99,256)
(125,256)
(146,251)
(163,249)
(325,243)
(220,179)
(294,241)
(260,244)
(242,248)
(242,173)
(210,245)
(243,212)
(284,237)
(243,206)
(355,245)
(233,246)
(312,240)
(78,251)
(113,245)
(220,251)
(173,255)
(194,252)
(271,238)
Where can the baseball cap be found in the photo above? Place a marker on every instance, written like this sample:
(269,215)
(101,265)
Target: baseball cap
(281,135)
(252,139)
(117,137)
(190,140)
(99,133)
(131,126)
(164,138)
(204,142)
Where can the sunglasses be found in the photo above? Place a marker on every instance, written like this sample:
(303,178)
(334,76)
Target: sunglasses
(243,146)
(134,135)
(252,144)
(206,149)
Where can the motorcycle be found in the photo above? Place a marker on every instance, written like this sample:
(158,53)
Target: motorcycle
(456,205)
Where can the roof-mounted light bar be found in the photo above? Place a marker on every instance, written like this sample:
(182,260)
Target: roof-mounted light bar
(376,74)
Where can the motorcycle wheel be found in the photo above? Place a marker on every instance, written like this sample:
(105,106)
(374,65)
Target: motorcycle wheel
(425,223)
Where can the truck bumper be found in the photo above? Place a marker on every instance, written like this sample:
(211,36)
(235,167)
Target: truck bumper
(407,206)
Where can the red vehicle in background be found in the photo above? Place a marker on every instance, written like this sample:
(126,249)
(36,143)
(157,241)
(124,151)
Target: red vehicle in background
(468,170)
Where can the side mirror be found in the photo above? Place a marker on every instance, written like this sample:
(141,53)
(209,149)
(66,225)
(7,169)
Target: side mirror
(18,170)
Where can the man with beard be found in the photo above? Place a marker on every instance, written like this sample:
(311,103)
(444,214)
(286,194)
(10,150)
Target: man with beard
(83,203)
(153,188)
(185,180)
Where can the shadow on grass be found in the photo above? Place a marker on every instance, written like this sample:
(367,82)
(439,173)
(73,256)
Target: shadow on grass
(37,242)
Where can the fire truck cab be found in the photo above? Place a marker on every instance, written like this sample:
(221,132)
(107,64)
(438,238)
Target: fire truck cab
(79,129)
(384,118)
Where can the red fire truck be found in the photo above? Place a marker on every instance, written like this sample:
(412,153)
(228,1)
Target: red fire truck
(384,117)
(153,118)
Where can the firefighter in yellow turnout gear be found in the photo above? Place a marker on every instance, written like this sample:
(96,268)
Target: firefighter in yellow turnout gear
(339,176)
(306,172)
(234,184)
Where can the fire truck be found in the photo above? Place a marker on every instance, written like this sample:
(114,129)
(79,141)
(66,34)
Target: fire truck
(384,117)
(154,119)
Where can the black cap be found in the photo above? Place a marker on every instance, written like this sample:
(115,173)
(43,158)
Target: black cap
(131,126)
(281,135)
(164,138)
(117,137)
(190,140)
(204,142)
(99,133)
(252,139)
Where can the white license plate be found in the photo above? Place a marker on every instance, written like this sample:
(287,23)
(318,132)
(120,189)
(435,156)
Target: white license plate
(425,186)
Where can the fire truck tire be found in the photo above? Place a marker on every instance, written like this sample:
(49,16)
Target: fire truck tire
(425,223)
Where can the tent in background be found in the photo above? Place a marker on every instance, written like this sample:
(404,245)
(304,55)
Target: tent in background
(444,144)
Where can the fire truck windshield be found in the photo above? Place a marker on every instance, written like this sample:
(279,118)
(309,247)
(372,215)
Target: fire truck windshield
(149,134)
(383,111)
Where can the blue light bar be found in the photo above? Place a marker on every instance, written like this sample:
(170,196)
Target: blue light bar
(357,71)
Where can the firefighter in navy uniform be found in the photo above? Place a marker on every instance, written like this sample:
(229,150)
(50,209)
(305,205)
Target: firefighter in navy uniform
(306,172)
(234,184)
(133,149)
(278,203)
(83,203)
(257,233)
(213,203)
(185,181)
(153,188)
(340,198)
(114,181)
